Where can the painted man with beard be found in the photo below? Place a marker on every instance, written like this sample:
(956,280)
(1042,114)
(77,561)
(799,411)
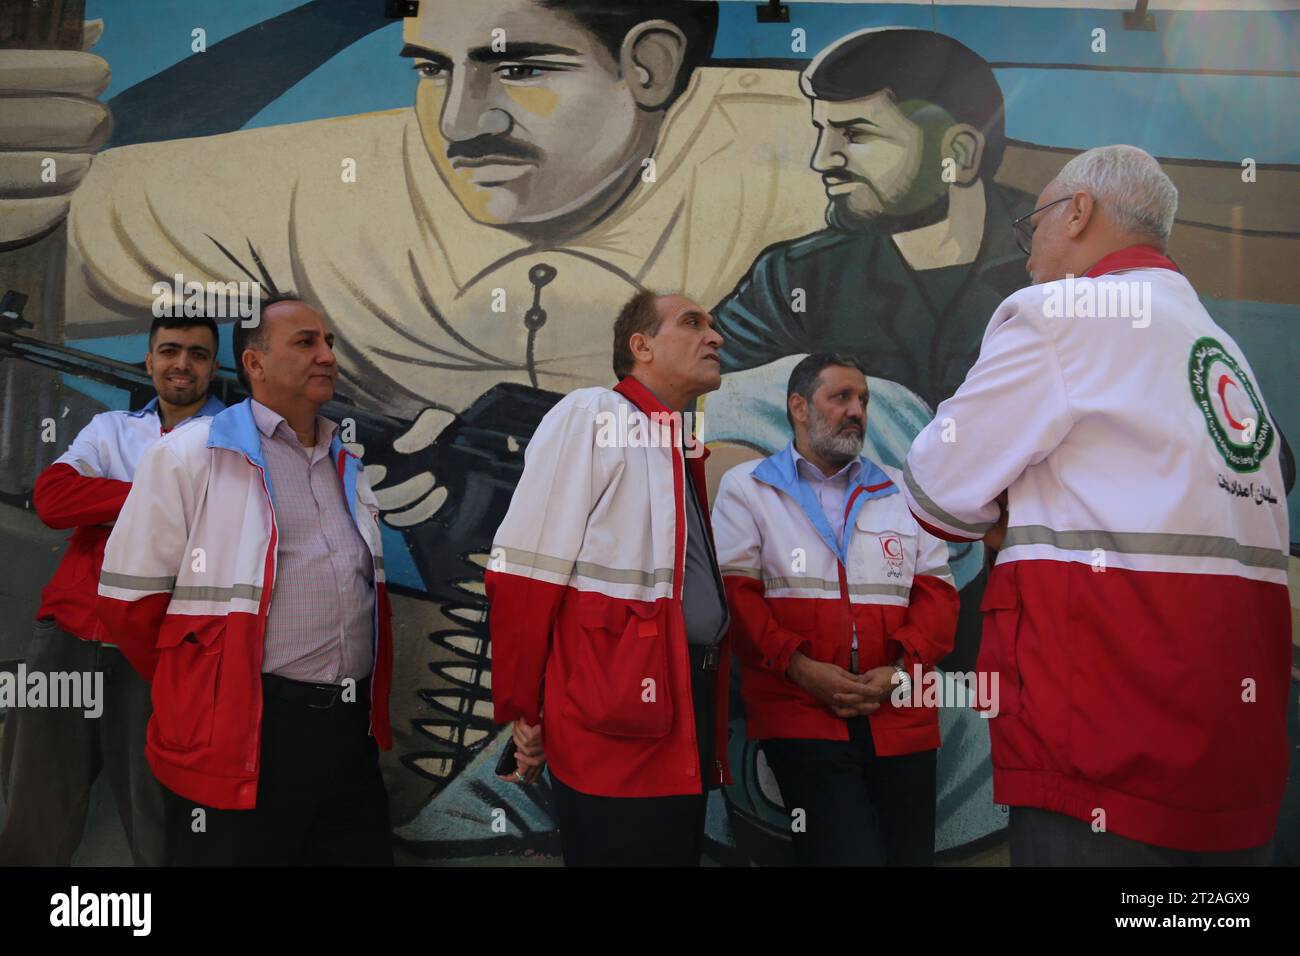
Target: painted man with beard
(839,598)
(919,248)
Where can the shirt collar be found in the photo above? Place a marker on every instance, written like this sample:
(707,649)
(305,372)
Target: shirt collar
(809,470)
(268,421)
(207,409)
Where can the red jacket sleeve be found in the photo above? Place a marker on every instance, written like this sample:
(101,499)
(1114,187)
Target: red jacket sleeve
(930,627)
(760,640)
(65,498)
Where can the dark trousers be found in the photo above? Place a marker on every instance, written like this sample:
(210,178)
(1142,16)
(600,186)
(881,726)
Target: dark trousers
(1045,838)
(858,809)
(644,831)
(51,756)
(320,797)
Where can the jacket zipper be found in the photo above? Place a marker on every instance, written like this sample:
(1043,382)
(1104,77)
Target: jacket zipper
(262,611)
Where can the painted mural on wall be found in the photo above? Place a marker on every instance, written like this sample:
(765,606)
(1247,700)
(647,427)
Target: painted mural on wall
(471,193)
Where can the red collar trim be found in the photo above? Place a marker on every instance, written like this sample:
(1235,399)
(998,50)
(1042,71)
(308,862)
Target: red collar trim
(645,400)
(640,396)
(1134,257)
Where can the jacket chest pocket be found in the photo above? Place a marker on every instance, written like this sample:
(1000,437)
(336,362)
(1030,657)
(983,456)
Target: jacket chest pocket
(884,548)
(618,680)
(185,681)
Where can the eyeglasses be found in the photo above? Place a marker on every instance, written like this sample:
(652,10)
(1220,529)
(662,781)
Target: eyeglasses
(1024,231)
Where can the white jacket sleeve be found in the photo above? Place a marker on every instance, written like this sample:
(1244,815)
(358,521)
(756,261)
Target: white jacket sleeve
(143,555)
(534,553)
(1010,413)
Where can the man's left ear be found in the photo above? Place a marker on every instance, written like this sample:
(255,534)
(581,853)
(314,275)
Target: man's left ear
(651,59)
(964,144)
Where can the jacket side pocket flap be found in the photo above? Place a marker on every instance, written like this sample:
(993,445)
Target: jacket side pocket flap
(1001,593)
(177,629)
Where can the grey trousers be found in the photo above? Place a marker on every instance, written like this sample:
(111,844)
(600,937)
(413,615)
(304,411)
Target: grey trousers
(51,756)
(1045,838)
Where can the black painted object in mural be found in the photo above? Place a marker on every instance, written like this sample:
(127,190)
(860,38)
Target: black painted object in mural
(478,458)
(216,91)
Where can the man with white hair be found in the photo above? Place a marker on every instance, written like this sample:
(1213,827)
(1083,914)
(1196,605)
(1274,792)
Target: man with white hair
(1111,441)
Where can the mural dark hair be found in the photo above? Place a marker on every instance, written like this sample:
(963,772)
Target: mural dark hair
(639,314)
(610,21)
(185,322)
(254,336)
(915,65)
(806,376)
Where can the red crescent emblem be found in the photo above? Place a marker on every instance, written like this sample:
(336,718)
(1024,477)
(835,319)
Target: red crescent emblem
(892,547)
(1224,382)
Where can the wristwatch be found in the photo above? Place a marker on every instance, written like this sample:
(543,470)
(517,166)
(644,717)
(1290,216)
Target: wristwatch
(903,679)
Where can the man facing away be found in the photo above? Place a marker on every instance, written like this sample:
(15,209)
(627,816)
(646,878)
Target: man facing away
(608,617)
(840,602)
(245,580)
(1137,615)
(52,755)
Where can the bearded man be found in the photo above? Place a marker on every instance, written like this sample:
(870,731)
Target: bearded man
(840,603)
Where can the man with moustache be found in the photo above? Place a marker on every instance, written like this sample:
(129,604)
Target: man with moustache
(918,248)
(245,580)
(52,756)
(607,611)
(839,600)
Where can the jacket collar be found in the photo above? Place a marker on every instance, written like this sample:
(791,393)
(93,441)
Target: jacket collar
(1133,257)
(647,402)
(868,482)
(235,429)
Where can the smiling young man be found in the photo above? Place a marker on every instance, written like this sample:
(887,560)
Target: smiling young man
(51,756)
(838,597)
(608,615)
(245,579)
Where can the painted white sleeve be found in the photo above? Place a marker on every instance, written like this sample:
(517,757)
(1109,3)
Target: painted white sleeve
(1010,412)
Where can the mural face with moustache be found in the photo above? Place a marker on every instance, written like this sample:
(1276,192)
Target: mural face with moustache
(507,89)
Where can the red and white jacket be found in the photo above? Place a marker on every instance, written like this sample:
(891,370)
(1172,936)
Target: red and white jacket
(187,580)
(584,585)
(1137,616)
(792,586)
(84,489)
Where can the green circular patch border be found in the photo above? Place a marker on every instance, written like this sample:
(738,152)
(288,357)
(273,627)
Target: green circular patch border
(1240,458)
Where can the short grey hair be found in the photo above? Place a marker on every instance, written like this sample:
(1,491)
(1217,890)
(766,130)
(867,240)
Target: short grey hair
(1129,184)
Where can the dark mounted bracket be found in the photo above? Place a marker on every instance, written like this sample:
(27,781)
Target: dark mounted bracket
(11,311)
(1140,18)
(397,9)
(773,12)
